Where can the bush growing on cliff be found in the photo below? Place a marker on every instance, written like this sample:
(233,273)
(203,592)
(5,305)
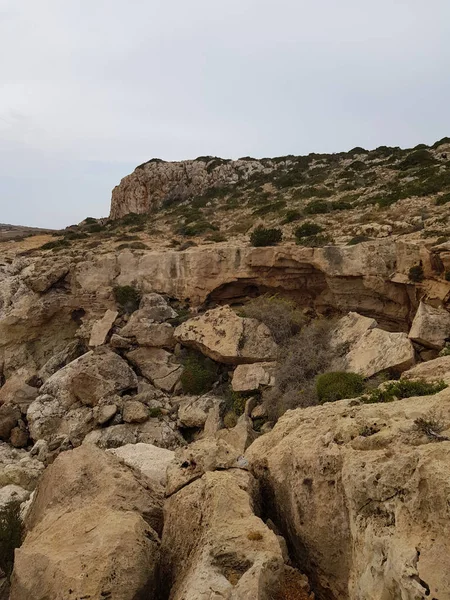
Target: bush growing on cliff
(307,229)
(300,360)
(416,273)
(338,385)
(265,237)
(10,536)
(199,373)
(403,388)
(127,297)
(282,316)
(317,207)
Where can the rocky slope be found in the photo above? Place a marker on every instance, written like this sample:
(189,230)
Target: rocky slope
(136,392)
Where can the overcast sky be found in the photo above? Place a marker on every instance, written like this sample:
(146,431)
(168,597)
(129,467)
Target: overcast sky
(91,88)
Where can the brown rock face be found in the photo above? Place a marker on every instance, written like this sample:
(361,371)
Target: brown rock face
(362,494)
(88,533)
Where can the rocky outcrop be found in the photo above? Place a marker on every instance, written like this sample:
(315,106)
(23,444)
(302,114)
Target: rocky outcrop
(249,378)
(91,533)
(160,367)
(431,326)
(150,461)
(227,338)
(102,327)
(157,181)
(431,370)
(361,492)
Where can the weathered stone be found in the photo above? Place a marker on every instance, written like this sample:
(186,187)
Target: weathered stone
(19,437)
(135,412)
(227,338)
(213,541)
(249,378)
(433,370)
(193,411)
(156,308)
(159,432)
(12,494)
(385,485)
(89,533)
(104,413)
(17,467)
(64,406)
(240,436)
(117,341)
(149,460)
(101,328)
(199,457)
(157,365)
(9,417)
(431,326)
(42,281)
(62,358)
(350,329)
(18,393)
(378,350)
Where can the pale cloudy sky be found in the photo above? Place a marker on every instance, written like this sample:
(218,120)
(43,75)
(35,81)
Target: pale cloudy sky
(91,88)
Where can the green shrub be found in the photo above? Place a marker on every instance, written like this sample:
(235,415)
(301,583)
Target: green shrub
(291,216)
(441,200)
(198,228)
(307,229)
(216,237)
(133,246)
(56,245)
(199,373)
(127,297)
(417,158)
(154,413)
(341,205)
(338,385)
(317,207)
(416,273)
(90,221)
(269,208)
(10,536)
(265,237)
(403,388)
(230,419)
(282,316)
(94,228)
(358,239)
(315,241)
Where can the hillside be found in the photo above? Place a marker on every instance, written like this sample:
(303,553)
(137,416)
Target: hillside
(18,232)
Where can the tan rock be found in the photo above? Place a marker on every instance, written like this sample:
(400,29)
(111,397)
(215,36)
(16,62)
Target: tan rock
(350,329)
(149,460)
(240,436)
(193,411)
(42,280)
(159,432)
(104,413)
(87,535)
(18,393)
(19,437)
(101,328)
(433,370)
(9,417)
(378,350)
(227,338)
(158,366)
(17,467)
(431,326)
(135,412)
(384,485)
(249,378)
(213,544)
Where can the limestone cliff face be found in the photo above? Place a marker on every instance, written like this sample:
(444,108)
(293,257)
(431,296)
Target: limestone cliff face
(157,181)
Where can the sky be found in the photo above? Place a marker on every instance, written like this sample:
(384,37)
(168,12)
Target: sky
(91,88)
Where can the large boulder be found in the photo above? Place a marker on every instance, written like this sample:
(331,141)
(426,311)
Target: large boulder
(378,350)
(161,432)
(65,404)
(215,547)
(101,328)
(193,410)
(227,338)
(362,492)
(160,367)
(18,468)
(91,533)
(250,378)
(431,326)
(350,329)
(149,460)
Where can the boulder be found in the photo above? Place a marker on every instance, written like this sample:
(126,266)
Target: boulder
(378,350)
(150,461)
(214,546)
(158,366)
(193,411)
(62,358)
(91,533)
(135,412)
(350,329)
(19,435)
(104,413)
(9,418)
(433,370)
(44,278)
(431,326)
(240,436)
(227,338)
(117,341)
(250,378)
(160,432)
(192,462)
(361,493)
(18,393)
(102,327)
(156,308)
(17,467)
(148,333)
(12,494)
(67,397)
